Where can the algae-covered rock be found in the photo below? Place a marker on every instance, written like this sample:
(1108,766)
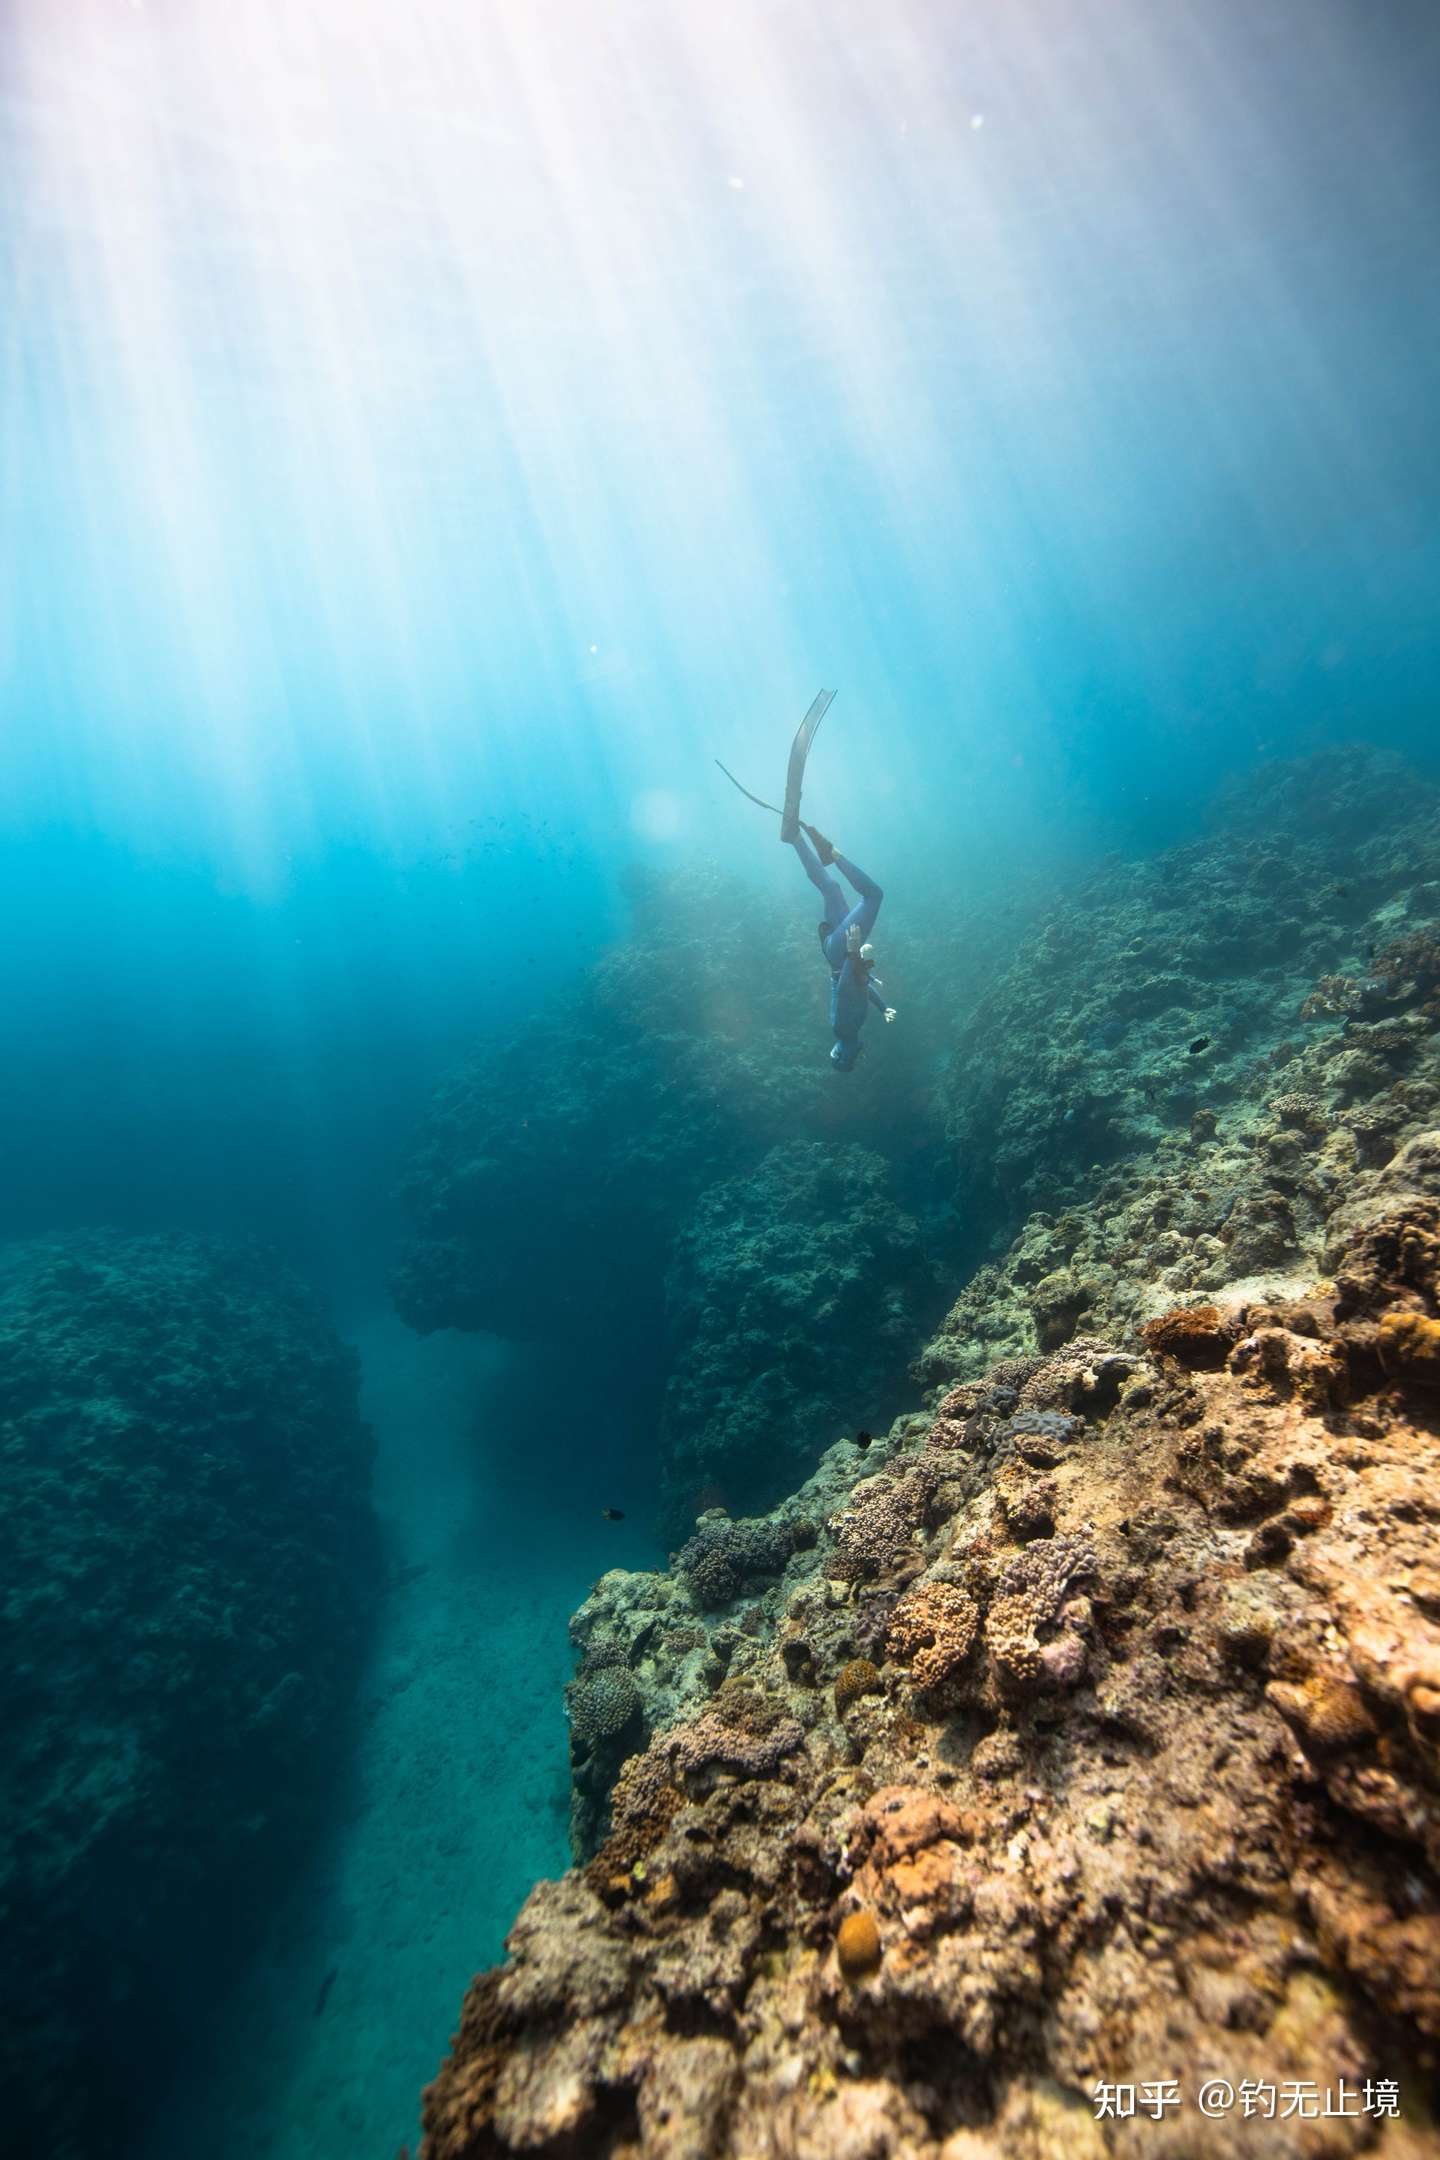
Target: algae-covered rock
(794,1296)
(187,1559)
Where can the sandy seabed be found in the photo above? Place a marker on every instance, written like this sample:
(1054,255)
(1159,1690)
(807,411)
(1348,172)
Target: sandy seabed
(456,1801)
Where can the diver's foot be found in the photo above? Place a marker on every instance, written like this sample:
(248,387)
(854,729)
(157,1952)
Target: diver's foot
(823,847)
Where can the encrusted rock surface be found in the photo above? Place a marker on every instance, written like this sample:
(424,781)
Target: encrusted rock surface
(187,1565)
(1149,998)
(795,1297)
(1244,1199)
(1150,1791)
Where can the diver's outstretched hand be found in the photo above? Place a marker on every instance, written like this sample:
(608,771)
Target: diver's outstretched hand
(889,1012)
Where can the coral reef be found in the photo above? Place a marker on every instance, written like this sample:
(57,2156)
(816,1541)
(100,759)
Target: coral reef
(1179,1233)
(187,1560)
(1167,1805)
(795,1296)
(725,1557)
(1080,1055)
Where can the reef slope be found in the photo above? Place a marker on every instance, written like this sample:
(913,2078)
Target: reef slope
(1098,1738)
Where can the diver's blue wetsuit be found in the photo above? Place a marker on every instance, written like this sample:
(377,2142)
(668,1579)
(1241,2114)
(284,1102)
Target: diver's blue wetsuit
(852,989)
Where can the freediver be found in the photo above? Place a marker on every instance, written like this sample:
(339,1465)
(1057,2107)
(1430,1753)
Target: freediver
(845,932)
(844,940)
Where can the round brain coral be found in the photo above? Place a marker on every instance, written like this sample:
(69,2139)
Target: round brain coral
(857,1945)
(603,1705)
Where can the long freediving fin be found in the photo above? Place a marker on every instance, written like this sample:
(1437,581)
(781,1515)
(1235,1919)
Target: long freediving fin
(799,751)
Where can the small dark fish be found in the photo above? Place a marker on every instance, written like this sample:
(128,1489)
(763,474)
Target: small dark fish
(1340,892)
(612,1514)
(863,1438)
(325,1986)
(1201,1042)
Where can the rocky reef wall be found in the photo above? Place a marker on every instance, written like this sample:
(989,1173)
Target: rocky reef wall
(1095,1738)
(187,1562)
(1174,989)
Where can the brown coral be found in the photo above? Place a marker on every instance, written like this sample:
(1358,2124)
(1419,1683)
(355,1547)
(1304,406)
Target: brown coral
(1328,1712)
(858,1678)
(857,1945)
(932,1630)
(1195,1335)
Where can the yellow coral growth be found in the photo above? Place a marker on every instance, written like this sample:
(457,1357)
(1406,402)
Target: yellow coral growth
(857,1946)
(1411,1344)
(858,1678)
(1328,1712)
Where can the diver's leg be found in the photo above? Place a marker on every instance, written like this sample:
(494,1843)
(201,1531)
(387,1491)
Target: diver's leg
(871,895)
(827,887)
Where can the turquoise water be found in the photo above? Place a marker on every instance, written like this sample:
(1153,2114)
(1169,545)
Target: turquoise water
(430,438)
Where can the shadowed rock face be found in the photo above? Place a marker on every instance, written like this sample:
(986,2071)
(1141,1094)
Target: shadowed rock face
(187,1559)
(1146,1773)
(793,1297)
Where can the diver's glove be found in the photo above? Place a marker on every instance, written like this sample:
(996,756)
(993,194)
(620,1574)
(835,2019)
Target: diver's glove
(854,938)
(889,1012)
